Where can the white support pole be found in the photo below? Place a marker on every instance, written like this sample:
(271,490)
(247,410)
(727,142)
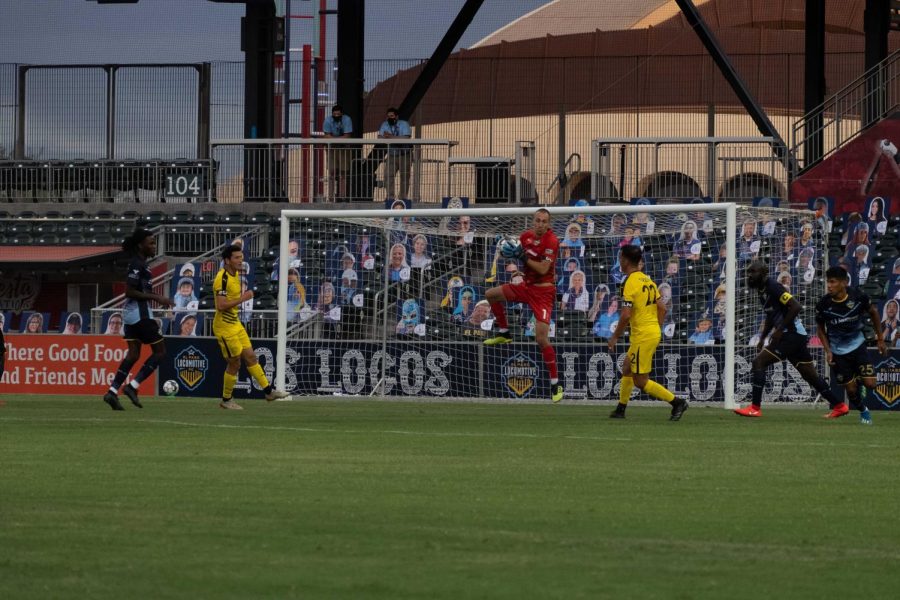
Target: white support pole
(283,260)
(730,302)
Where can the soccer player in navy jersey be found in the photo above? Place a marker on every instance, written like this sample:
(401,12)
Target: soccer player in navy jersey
(839,319)
(140,326)
(789,339)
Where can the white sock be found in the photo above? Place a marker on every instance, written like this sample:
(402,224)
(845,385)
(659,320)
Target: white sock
(134,384)
(554,381)
(501,330)
(113,390)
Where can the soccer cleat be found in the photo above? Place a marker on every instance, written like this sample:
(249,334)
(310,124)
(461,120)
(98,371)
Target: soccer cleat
(498,338)
(865,417)
(113,401)
(749,411)
(230,405)
(132,395)
(556,392)
(679,405)
(838,411)
(618,413)
(276,395)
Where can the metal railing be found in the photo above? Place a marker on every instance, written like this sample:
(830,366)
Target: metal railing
(179,240)
(720,168)
(260,324)
(847,113)
(332,169)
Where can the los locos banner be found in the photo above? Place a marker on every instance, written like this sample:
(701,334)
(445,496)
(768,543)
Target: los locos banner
(463,370)
(64,364)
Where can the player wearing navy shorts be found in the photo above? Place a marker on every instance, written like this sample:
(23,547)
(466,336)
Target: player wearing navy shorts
(789,341)
(839,319)
(539,251)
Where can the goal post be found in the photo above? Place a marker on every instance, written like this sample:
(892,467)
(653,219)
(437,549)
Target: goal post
(391,302)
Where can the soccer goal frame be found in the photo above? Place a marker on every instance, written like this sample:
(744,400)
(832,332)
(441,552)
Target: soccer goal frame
(729,210)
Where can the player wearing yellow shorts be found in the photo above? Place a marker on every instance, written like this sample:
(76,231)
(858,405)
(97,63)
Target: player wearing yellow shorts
(230,332)
(643,311)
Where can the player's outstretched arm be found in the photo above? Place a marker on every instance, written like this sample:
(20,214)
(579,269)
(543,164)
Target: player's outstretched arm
(661,311)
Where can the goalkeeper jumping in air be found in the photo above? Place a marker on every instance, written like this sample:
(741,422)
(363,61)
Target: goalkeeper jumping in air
(643,311)
(538,248)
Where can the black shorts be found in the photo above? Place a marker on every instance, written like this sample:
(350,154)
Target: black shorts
(792,347)
(852,365)
(146,331)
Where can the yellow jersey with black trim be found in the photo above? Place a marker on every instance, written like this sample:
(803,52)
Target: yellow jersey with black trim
(228,287)
(640,294)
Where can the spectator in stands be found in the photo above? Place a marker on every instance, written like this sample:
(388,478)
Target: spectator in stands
(846,264)
(600,294)
(420,258)
(748,244)
(480,313)
(398,268)
(327,305)
(890,318)
(463,230)
(688,245)
(2,321)
(665,296)
(188,325)
(399,156)
(785,279)
(806,268)
(860,262)
(876,217)
(187,270)
(606,323)
(449,301)
(670,276)
(569,266)
(617,226)
(348,262)
(577,296)
(465,304)
(246,309)
(363,251)
(349,280)
(631,237)
(34,324)
(409,317)
(703,335)
(298,309)
(788,250)
(114,324)
(853,221)
(807,239)
(584,220)
(860,238)
(572,244)
(73,324)
(513,272)
(339,155)
(823,219)
(185,298)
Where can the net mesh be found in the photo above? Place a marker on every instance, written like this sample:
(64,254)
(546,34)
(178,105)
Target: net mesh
(396,306)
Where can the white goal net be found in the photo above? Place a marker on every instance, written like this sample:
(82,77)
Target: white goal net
(392,303)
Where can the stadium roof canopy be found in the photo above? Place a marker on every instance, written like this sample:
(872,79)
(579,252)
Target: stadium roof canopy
(602,55)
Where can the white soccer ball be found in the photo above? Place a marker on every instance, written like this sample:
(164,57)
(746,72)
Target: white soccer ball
(170,388)
(511,247)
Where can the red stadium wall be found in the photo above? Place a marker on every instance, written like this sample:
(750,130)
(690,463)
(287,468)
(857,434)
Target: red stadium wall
(862,169)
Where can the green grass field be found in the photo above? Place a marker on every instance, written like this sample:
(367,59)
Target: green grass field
(353,499)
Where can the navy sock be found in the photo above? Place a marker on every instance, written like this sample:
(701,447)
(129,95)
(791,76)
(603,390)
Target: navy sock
(758,381)
(122,373)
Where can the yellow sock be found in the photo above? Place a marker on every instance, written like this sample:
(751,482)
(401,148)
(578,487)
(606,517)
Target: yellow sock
(259,375)
(228,387)
(626,386)
(659,392)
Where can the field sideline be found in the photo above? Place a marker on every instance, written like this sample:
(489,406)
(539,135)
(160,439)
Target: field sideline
(365,499)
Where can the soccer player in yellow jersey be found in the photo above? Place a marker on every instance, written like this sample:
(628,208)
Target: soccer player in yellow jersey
(230,332)
(643,311)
